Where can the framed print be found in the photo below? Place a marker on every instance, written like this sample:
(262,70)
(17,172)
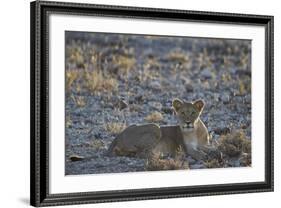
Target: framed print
(131,103)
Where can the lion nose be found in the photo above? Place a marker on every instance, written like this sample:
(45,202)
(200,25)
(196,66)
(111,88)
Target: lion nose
(189,124)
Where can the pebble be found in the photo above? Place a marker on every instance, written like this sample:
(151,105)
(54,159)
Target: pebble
(139,98)
(191,161)
(155,85)
(206,73)
(248,99)
(222,131)
(155,105)
(197,166)
(234,163)
(225,98)
(189,88)
(122,104)
(74,158)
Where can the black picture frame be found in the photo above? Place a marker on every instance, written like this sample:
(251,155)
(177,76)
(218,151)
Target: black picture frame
(39,188)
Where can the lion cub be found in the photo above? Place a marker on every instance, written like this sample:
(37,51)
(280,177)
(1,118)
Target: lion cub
(151,139)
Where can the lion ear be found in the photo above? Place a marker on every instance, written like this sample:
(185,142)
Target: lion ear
(199,105)
(177,103)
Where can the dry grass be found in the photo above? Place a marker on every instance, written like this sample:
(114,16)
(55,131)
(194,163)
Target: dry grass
(68,121)
(79,101)
(76,57)
(154,117)
(178,57)
(71,76)
(152,63)
(214,163)
(226,77)
(97,81)
(147,74)
(234,144)
(97,144)
(115,127)
(155,163)
(246,159)
(124,63)
(242,88)
(204,60)
(244,62)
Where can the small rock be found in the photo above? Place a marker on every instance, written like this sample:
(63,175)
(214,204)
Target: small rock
(225,98)
(74,158)
(206,74)
(234,163)
(248,99)
(191,161)
(135,108)
(155,105)
(139,98)
(189,88)
(222,131)
(197,166)
(155,85)
(241,72)
(237,99)
(168,110)
(216,97)
(122,104)
(233,71)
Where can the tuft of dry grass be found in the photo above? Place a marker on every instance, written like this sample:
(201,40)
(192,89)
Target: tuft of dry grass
(97,144)
(152,63)
(214,163)
(115,127)
(154,117)
(156,163)
(97,81)
(147,74)
(71,76)
(124,63)
(242,88)
(68,122)
(76,57)
(178,56)
(246,159)
(234,144)
(79,101)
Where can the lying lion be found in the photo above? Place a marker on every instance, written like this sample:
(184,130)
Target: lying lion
(143,140)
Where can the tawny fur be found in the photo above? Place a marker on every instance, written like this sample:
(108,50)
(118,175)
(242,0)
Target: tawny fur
(190,136)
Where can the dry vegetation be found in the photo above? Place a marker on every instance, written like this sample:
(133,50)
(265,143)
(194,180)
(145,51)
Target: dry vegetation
(161,162)
(178,56)
(68,122)
(124,63)
(80,101)
(97,144)
(155,163)
(96,81)
(234,144)
(115,127)
(154,117)
(71,76)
